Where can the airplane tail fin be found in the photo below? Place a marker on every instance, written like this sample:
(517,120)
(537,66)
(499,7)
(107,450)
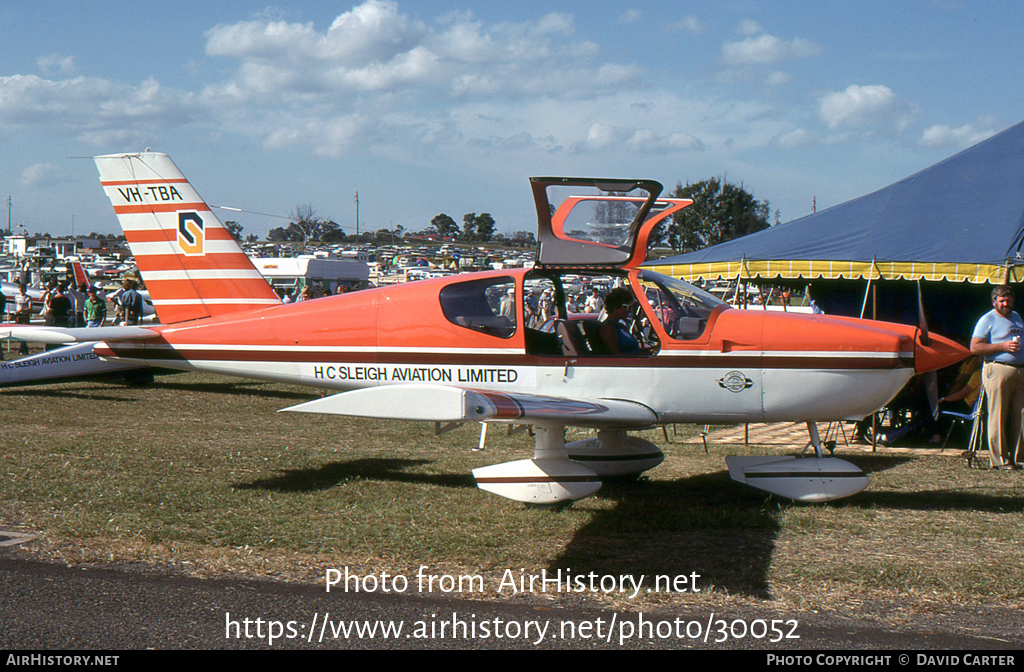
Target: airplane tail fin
(81,277)
(192,266)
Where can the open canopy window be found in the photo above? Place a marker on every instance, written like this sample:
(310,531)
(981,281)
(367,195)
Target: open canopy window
(597,223)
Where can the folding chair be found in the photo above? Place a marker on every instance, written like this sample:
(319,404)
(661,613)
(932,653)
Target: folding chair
(832,435)
(977,419)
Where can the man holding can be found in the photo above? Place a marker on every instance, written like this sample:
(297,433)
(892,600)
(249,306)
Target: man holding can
(996,338)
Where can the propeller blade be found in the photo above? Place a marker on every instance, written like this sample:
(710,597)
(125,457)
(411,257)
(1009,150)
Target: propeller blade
(931,388)
(931,379)
(921,321)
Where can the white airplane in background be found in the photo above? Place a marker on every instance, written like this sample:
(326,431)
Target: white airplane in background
(463,348)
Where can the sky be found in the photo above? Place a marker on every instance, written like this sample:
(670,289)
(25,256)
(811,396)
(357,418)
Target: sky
(449,106)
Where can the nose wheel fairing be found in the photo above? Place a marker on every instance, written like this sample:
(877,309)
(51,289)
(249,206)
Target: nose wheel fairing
(804,479)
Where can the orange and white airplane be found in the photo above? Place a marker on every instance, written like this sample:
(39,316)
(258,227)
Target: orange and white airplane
(466,347)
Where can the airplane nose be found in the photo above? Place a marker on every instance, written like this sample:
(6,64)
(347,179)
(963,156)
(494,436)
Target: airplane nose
(939,353)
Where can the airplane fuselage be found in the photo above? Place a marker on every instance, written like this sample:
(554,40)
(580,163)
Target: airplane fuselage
(744,367)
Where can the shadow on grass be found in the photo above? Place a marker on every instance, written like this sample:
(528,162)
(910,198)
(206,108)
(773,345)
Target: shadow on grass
(237,388)
(926,500)
(712,526)
(874,464)
(87,395)
(94,391)
(705,524)
(936,500)
(335,473)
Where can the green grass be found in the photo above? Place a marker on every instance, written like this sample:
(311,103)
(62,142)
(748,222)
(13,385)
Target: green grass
(202,471)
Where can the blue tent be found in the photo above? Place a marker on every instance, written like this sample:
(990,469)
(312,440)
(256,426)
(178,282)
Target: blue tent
(959,220)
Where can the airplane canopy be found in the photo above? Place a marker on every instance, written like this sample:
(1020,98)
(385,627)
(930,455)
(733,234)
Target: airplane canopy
(960,220)
(597,223)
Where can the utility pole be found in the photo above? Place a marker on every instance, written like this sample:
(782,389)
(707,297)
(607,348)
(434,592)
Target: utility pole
(357,216)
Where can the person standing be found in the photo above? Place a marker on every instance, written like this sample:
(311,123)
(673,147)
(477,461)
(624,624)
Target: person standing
(996,339)
(95,308)
(47,312)
(131,303)
(76,318)
(23,312)
(61,307)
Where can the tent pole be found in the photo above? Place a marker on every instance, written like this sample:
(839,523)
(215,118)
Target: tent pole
(867,292)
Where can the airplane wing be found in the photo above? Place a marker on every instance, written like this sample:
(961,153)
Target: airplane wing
(66,336)
(441,403)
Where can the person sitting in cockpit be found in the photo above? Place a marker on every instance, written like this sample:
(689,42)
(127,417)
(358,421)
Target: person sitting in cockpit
(615,339)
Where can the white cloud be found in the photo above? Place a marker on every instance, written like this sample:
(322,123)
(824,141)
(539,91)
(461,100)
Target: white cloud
(41,174)
(602,137)
(689,24)
(55,63)
(964,136)
(373,31)
(378,82)
(403,78)
(631,16)
(91,109)
(374,47)
(329,137)
(767,48)
(797,138)
(861,106)
(748,27)
(556,23)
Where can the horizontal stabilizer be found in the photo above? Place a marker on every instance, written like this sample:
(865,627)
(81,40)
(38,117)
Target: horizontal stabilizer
(440,403)
(805,479)
(65,336)
(72,362)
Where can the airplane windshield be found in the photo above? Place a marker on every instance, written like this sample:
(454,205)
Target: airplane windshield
(681,308)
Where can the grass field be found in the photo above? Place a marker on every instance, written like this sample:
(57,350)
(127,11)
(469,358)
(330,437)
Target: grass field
(200,472)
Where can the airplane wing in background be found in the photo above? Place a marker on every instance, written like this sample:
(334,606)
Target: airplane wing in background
(67,336)
(440,403)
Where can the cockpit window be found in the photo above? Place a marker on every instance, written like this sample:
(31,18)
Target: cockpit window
(487,305)
(680,307)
